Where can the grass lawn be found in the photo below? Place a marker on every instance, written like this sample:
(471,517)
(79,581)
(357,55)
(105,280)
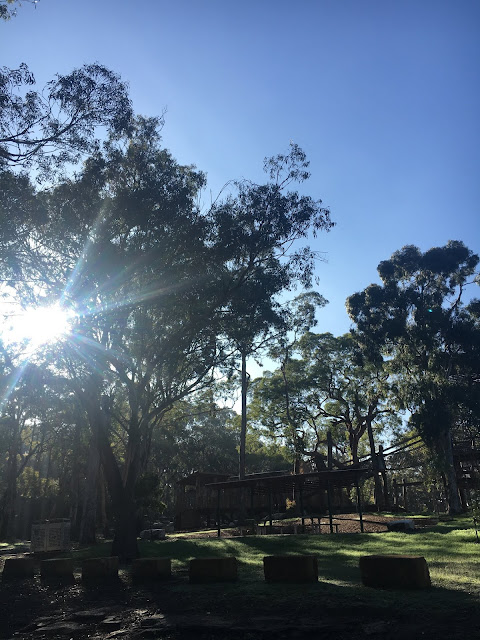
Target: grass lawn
(450,548)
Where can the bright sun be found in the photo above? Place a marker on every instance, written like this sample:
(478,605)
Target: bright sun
(42,325)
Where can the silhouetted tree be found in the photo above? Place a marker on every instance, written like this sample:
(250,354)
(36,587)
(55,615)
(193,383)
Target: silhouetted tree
(418,320)
(56,125)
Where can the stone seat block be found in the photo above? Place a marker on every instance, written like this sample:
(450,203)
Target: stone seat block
(56,568)
(18,568)
(151,568)
(100,568)
(395,572)
(213,569)
(404,526)
(294,568)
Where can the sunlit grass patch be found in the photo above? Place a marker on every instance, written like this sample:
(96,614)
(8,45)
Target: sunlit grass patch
(452,554)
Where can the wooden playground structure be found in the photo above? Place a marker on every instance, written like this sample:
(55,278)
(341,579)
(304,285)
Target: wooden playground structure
(218,500)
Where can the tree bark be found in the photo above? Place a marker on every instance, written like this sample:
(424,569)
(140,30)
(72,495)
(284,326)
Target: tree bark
(121,490)
(446,452)
(7,502)
(89,510)
(243,428)
(379,497)
(125,538)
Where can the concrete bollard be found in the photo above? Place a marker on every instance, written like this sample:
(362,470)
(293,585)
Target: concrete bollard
(213,570)
(57,568)
(295,568)
(15,568)
(100,568)
(395,572)
(151,568)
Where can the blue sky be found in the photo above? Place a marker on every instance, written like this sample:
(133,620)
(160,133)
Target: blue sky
(383,96)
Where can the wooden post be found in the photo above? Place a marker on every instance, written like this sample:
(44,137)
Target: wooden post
(395,494)
(359,503)
(404,494)
(218,513)
(270,506)
(329,467)
(301,506)
(330,451)
(383,469)
(329,503)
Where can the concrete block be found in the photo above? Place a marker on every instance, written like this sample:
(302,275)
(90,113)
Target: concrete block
(395,572)
(100,568)
(213,569)
(59,568)
(18,568)
(151,568)
(295,568)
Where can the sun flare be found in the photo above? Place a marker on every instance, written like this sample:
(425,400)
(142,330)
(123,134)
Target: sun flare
(42,325)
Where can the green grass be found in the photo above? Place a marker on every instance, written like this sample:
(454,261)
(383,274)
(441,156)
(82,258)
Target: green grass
(450,549)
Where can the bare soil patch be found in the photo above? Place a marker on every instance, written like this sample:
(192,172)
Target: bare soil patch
(344,523)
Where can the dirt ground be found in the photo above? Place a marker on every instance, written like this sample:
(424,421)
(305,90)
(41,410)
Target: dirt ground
(33,610)
(345,523)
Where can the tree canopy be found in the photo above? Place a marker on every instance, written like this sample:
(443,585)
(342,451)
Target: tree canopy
(419,320)
(58,124)
(156,287)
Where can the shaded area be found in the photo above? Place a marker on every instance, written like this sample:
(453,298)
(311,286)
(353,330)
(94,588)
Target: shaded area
(178,610)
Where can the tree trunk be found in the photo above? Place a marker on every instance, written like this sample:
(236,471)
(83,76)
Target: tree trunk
(353,440)
(379,497)
(7,503)
(121,492)
(446,452)
(125,539)
(243,428)
(75,518)
(103,505)
(89,510)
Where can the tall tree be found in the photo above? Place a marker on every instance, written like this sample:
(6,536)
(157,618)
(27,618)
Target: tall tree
(324,386)
(258,233)
(58,124)
(154,284)
(418,319)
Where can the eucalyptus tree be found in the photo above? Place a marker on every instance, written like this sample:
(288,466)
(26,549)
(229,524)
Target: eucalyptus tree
(24,428)
(8,8)
(60,123)
(258,231)
(419,320)
(325,386)
(154,287)
(299,316)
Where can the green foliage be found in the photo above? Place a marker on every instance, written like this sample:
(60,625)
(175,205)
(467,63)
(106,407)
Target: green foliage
(32,485)
(326,387)
(148,494)
(8,10)
(57,125)
(418,319)
(162,293)
(475,511)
